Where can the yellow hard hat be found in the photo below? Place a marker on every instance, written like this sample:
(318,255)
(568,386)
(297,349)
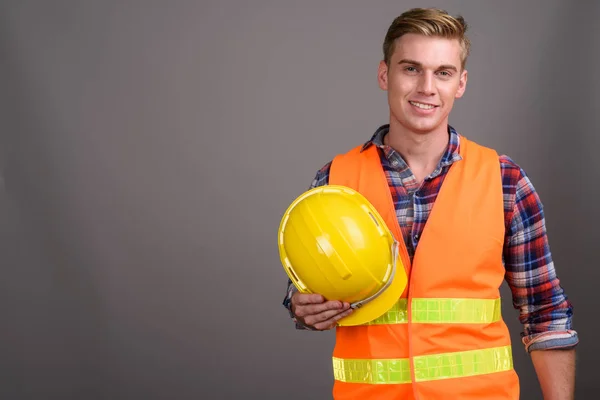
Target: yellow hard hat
(333,242)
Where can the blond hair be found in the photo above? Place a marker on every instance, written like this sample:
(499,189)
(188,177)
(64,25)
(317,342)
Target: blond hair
(428,22)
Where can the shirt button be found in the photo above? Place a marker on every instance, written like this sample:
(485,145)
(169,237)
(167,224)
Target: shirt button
(395,163)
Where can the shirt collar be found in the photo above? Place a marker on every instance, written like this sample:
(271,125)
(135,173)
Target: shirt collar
(451,155)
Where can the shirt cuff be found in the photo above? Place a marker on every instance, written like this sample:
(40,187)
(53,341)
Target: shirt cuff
(554,340)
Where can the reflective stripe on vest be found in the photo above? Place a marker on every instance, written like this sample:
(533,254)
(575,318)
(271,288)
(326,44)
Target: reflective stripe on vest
(440,311)
(424,348)
(427,368)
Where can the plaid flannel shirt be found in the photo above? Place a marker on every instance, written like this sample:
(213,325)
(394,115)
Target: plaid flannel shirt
(545,311)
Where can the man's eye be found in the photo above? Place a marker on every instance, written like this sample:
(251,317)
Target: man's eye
(444,73)
(410,69)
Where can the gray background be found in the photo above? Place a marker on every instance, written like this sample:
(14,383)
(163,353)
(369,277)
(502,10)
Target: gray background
(149,148)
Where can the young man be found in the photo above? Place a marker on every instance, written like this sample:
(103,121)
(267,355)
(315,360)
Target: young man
(468,219)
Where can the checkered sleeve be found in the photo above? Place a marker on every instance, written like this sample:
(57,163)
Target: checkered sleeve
(545,311)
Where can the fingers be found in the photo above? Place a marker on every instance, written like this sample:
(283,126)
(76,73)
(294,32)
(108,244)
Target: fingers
(314,309)
(304,299)
(331,322)
(324,316)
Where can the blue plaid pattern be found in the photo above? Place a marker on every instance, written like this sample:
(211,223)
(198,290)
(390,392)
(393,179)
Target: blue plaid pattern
(545,311)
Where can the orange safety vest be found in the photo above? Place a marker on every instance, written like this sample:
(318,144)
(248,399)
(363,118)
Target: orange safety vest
(445,337)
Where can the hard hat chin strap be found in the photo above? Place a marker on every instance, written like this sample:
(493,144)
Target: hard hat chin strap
(361,303)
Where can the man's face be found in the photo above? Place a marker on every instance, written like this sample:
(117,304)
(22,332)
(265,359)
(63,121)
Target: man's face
(422,80)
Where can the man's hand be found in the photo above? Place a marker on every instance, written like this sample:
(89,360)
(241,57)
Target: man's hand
(312,310)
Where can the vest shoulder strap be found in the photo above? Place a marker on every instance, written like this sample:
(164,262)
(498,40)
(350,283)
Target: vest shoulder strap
(362,171)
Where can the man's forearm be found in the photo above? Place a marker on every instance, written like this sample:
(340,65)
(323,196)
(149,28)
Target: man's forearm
(555,370)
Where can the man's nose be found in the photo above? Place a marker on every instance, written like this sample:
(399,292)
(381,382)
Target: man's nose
(426,84)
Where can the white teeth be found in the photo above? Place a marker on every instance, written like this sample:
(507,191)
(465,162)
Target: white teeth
(421,105)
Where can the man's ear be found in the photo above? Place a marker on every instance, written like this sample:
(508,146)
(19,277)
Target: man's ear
(462,85)
(382,75)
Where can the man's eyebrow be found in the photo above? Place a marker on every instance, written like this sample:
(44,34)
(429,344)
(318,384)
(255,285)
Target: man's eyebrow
(418,64)
(448,66)
(407,61)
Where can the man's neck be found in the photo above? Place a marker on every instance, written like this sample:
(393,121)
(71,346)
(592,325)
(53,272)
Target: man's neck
(421,151)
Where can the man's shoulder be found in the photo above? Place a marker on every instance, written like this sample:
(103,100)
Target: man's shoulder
(324,170)
(322,176)
(505,160)
(511,171)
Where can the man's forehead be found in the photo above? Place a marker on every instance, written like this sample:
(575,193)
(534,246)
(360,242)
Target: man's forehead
(415,38)
(427,49)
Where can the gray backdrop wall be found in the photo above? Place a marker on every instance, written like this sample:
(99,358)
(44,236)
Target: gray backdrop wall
(149,148)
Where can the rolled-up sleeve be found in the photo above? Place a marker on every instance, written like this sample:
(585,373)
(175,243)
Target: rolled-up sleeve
(545,310)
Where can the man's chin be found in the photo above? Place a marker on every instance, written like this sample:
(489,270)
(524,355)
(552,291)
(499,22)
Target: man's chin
(423,127)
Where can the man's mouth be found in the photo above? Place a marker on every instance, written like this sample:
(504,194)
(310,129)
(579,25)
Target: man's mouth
(423,106)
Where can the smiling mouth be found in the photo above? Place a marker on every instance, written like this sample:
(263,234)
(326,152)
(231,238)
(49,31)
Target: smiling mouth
(422,106)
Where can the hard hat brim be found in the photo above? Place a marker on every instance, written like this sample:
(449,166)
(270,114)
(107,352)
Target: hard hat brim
(382,303)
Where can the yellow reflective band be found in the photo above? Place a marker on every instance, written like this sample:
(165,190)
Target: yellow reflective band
(372,371)
(464,363)
(463,311)
(398,314)
(427,368)
(442,311)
